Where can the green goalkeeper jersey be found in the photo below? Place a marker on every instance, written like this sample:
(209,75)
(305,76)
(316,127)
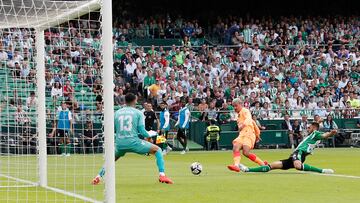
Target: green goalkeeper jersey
(309,143)
(129,122)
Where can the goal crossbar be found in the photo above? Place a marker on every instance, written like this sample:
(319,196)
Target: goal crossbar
(42,14)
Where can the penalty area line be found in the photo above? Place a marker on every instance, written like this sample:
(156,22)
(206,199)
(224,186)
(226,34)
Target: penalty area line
(34,184)
(333,175)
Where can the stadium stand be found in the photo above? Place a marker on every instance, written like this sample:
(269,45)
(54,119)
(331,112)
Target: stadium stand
(290,66)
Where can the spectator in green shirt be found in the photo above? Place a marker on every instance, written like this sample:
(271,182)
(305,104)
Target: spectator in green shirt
(148,81)
(122,42)
(179,56)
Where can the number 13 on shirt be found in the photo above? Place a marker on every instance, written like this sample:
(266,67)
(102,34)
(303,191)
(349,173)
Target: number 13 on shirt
(125,122)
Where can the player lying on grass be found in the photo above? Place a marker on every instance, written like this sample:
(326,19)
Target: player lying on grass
(248,135)
(297,158)
(129,122)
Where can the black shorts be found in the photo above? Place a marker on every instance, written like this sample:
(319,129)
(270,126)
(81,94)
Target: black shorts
(149,127)
(181,133)
(296,155)
(62,133)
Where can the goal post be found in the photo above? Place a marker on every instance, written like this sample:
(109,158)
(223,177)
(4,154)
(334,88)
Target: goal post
(108,101)
(41,105)
(44,42)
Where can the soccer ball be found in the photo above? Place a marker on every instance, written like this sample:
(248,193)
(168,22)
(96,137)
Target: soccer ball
(196,168)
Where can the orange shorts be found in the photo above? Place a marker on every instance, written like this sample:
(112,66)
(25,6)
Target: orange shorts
(247,137)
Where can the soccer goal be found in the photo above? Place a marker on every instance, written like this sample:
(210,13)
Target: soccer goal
(56,110)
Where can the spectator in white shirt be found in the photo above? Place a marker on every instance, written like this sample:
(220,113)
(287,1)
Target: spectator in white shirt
(21,116)
(56,90)
(25,70)
(88,39)
(31,101)
(343,100)
(343,82)
(312,103)
(320,109)
(141,74)
(256,53)
(252,88)
(130,67)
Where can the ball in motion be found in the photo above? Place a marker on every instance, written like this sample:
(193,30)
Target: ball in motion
(196,168)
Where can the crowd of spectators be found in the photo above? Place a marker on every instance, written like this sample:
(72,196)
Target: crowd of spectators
(161,27)
(314,72)
(317,76)
(299,31)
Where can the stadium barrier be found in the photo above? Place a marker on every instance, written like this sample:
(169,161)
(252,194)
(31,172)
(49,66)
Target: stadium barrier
(273,136)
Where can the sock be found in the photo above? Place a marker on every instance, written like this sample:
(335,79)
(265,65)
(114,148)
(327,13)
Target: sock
(307,167)
(160,161)
(265,168)
(164,146)
(237,158)
(185,143)
(102,172)
(181,142)
(256,159)
(62,148)
(68,148)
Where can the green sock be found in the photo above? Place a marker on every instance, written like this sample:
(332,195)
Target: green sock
(265,168)
(69,148)
(307,167)
(62,148)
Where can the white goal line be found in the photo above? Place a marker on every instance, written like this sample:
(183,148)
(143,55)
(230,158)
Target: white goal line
(16,186)
(34,184)
(29,183)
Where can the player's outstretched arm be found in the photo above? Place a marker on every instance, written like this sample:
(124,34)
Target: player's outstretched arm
(329,134)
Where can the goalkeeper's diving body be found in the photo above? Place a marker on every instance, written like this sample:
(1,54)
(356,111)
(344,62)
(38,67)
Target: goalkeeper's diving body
(297,158)
(129,122)
(248,135)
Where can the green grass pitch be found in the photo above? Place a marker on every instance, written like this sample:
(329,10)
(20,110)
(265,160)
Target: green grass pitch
(136,179)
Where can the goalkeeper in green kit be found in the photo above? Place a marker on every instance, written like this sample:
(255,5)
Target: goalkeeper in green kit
(297,158)
(129,122)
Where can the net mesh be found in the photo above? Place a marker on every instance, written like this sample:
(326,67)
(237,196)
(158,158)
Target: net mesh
(74,107)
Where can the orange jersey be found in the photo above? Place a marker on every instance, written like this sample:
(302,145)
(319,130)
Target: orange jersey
(245,118)
(247,135)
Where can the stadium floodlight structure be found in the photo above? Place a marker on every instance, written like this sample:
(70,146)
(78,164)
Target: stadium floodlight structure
(34,36)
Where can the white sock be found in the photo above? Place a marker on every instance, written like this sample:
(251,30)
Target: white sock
(161,173)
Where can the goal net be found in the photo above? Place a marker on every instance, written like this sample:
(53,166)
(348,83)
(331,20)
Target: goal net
(51,100)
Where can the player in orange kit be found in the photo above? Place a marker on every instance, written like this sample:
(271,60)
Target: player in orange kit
(248,135)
